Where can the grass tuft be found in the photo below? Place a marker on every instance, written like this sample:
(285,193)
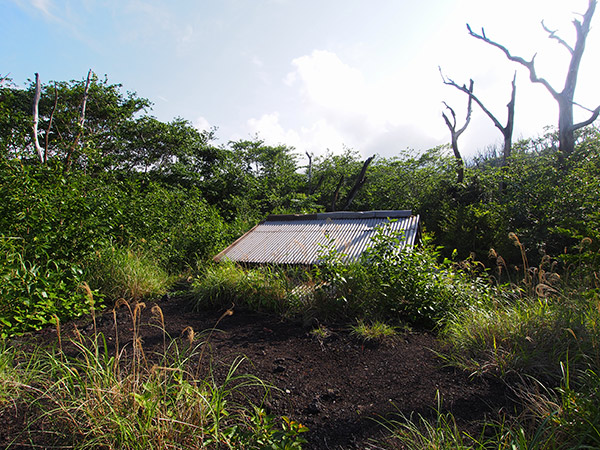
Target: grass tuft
(127,273)
(375,332)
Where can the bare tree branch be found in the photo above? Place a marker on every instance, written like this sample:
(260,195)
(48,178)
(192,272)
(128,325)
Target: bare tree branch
(50,122)
(553,35)
(564,98)
(530,65)
(587,122)
(337,192)
(309,156)
(505,130)
(455,134)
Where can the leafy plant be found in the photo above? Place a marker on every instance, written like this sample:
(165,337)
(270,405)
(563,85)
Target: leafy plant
(389,284)
(32,294)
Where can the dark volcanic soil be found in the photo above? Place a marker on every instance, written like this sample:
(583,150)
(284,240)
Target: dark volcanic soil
(336,385)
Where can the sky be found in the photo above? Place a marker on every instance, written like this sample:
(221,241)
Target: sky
(317,75)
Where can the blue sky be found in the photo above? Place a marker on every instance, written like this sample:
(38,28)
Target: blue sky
(313,74)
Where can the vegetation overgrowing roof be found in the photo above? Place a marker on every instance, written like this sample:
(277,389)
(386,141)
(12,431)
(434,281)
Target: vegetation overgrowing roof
(301,239)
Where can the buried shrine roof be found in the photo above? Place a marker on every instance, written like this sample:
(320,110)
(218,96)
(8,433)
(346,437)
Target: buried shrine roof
(301,239)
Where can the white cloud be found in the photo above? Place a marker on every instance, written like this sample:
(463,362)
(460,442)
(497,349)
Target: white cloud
(267,127)
(201,124)
(328,82)
(43,5)
(352,110)
(317,137)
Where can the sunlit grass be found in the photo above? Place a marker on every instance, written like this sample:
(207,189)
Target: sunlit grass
(94,395)
(127,273)
(374,332)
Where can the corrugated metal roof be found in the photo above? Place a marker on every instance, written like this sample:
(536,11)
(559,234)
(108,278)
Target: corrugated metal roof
(300,239)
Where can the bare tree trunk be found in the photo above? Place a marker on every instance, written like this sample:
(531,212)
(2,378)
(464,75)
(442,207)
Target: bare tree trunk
(360,181)
(337,192)
(318,185)
(50,122)
(455,134)
(36,105)
(507,130)
(80,123)
(309,156)
(564,98)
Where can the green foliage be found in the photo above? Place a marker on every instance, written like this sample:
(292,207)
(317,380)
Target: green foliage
(53,223)
(31,294)
(227,283)
(126,273)
(387,284)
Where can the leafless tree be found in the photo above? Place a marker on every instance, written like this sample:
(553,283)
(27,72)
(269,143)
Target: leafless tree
(565,97)
(361,179)
(81,122)
(506,130)
(455,133)
(36,117)
(50,121)
(310,157)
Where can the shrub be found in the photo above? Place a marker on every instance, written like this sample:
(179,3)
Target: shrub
(31,294)
(387,284)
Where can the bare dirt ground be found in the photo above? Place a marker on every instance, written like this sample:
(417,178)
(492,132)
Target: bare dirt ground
(337,386)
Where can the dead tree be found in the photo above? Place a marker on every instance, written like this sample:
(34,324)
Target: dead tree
(36,117)
(309,156)
(564,98)
(455,134)
(337,192)
(361,179)
(507,130)
(50,122)
(80,123)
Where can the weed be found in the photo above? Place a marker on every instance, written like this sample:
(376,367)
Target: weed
(375,332)
(441,433)
(126,273)
(91,398)
(263,289)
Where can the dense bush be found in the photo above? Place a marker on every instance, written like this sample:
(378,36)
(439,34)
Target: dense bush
(33,293)
(410,285)
(56,231)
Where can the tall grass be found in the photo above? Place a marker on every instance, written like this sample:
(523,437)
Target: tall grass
(97,396)
(126,273)
(531,335)
(418,432)
(542,336)
(262,288)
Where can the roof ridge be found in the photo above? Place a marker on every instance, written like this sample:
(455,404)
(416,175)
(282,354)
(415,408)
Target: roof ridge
(390,214)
